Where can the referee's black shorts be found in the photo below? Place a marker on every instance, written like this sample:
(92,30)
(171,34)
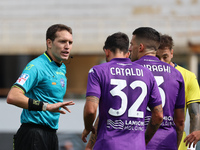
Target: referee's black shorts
(35,137)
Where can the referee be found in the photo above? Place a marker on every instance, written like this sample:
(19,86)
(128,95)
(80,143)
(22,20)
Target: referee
(40,90)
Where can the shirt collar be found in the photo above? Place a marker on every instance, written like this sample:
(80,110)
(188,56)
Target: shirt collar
(175,65)
(50,59)
(121,59)
(148,57)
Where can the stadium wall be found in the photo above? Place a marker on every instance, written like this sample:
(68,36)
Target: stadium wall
(23,23)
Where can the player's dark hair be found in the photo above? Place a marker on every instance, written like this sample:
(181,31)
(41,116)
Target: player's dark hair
(116,41)
(148,36)
(51,31)
(166,41)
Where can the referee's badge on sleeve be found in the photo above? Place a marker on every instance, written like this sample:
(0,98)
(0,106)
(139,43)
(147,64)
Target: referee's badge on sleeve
(22,79)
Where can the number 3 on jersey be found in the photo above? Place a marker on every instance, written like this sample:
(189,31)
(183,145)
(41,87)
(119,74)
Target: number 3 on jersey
(159,81)
(117,91)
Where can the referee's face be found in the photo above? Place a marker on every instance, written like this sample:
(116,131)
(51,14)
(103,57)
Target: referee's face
(60,48)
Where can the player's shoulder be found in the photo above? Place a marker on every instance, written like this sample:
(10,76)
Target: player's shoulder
(177,72)
(171,67)
(97,68)
(184,71)
(136,64)
(146,72)
(36,63)
(166,64)
(101,66)
(174,73)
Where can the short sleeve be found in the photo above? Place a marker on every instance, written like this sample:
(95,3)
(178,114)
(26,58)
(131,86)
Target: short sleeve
(28,79)
(93,84)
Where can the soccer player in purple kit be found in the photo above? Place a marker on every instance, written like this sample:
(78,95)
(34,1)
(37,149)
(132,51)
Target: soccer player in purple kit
(122,90)
(145,41)
(165,53)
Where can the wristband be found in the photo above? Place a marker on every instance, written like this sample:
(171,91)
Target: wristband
(44,107)
(35,105)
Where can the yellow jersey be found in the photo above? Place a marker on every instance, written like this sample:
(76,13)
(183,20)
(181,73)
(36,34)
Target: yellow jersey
(192,93)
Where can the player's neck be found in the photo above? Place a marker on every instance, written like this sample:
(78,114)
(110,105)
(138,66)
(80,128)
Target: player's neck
(150,53)
(53,58)
(172,64)
(119,55)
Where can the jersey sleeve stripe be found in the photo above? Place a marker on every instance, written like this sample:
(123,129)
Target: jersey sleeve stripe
(193,101)
(20,87)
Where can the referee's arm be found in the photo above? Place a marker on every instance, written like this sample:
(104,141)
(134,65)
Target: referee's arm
(16,97)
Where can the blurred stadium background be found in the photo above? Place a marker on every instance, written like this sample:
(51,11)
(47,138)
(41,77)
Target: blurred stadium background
(23,25)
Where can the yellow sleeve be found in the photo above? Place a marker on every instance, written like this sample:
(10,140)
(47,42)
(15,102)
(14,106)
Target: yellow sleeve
(192,93)
(193,90)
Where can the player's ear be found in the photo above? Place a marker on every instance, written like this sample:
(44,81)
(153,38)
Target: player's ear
(49,43)
(107,53)
(172,53)
(128,54)
(141,47)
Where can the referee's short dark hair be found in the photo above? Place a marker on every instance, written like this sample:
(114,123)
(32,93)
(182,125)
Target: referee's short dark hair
(51,31)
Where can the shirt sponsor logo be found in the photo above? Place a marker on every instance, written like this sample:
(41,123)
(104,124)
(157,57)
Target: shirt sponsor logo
(122,64)
(22,79)
(125,125)
(150,60)
(60,73)
(117,124)
(167,121)
(36,102)
(62,82)
(91,70)
(29,67)
(53,83)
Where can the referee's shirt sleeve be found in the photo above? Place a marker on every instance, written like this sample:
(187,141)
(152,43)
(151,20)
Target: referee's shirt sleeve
(28,79)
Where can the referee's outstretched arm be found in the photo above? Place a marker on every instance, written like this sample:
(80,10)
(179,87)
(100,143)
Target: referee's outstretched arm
(16,97)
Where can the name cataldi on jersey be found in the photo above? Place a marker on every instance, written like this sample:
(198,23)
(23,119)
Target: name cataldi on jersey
(123,71)
(126,71)
(22,79)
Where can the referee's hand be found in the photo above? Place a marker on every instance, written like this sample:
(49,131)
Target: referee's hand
(57,107)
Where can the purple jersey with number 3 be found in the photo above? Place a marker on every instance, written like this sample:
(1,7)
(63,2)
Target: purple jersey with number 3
(171,87)
(125,89)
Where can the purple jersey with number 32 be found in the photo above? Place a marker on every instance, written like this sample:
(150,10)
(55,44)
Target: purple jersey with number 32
(125,89)
(171,87)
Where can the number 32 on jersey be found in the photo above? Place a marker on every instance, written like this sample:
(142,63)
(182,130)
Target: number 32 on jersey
(133,110)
